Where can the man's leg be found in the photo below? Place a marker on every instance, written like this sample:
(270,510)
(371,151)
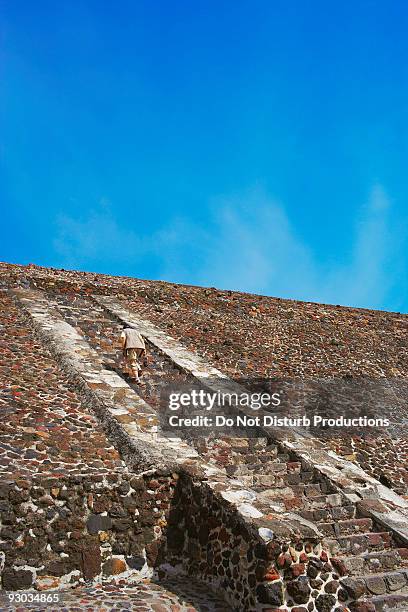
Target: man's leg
(140,354)
(133,365)
(122,363)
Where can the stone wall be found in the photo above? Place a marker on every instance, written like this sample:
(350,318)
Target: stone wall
(63,531)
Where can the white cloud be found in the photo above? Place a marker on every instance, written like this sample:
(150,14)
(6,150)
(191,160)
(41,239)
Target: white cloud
(253,247)
(248,244)
(371,271)
(96,236)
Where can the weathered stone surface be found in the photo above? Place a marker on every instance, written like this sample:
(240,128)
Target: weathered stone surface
(299,590)
(136,562)
(58,567)
(396,581)
(355,587)
(12,580)
(91,561)
(362,606)
(376,585)
(101,504)
(325,603)
(97,523)
(113,566)
(271,593)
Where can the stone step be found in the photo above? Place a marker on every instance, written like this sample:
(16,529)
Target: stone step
(262,444)
(372,562)
(267,463)
(383,603)
(320,502)
(348,527)
(316,502)
(102,332)
(247,481)
(258,443)
(271,467)
(259,482)
(374,585)
(262,481)
(328,514)
(358,543)
(307,476)
(241,445)
(256,458)
(308,490)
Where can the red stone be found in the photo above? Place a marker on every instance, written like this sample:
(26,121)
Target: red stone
(293,503)
(272,574)
(339,566)
(297,569)
(91,561)
(281,560)
(223,535)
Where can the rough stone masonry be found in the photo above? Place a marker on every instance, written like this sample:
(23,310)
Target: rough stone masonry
(98,504)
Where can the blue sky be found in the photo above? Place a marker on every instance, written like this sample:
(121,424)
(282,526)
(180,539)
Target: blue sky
(252,145)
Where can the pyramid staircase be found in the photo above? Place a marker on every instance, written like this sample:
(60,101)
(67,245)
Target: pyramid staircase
(367,555)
